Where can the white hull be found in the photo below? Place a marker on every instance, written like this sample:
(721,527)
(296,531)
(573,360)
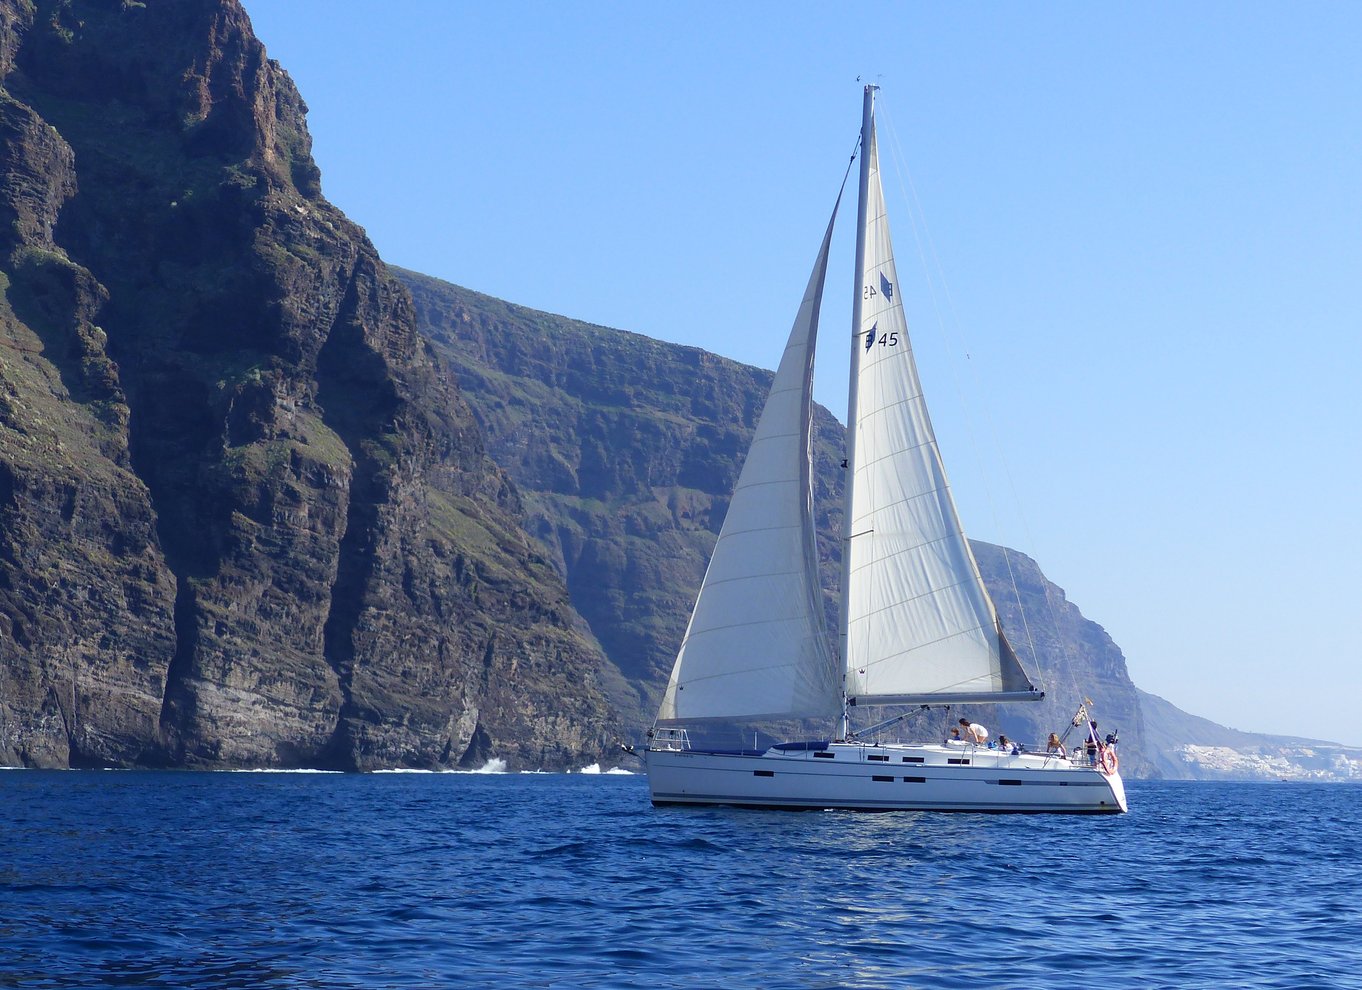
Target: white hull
(893,777)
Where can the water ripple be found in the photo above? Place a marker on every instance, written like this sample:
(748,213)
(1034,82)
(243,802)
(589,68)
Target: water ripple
(301,881)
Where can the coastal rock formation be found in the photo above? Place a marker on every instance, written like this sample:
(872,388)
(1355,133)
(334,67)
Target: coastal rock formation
(245,517)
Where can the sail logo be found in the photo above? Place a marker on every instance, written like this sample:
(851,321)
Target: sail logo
(887,339)
(886,289)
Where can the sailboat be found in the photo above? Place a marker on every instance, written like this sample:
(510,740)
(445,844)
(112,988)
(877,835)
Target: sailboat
(917,626)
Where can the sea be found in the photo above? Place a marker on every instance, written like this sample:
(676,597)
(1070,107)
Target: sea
(496,880)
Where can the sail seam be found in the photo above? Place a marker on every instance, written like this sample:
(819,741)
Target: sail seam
(747,488)
(880,410)
(735,672)
(916,546)
(754,529)
(894,453)
(752,577)
(957,686)
(913,649)
(904,501)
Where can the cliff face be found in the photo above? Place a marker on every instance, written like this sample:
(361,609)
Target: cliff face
(626,449)
(245,517)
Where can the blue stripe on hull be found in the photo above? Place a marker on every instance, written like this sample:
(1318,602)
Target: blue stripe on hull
(733,801)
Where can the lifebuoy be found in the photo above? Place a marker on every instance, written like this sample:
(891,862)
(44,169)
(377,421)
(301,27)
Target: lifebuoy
(1109,761)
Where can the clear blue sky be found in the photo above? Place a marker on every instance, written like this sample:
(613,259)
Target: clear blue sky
(1142,331)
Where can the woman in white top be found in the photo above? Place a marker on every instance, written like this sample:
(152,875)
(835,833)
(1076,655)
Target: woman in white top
(973,732)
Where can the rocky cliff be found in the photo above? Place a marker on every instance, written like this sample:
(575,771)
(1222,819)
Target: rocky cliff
(245,517)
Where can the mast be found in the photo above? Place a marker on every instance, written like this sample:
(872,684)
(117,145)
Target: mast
(918,626)
(867,139)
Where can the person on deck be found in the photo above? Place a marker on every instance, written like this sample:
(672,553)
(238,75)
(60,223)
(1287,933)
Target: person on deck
(1053,747)
(973,732)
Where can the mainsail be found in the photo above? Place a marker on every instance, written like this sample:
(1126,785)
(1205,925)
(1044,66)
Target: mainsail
(756,646)
(918,625)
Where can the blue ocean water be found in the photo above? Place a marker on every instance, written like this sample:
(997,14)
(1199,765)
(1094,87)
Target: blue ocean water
(400,880)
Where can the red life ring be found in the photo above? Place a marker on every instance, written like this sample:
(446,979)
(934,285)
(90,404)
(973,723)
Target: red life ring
(1109,761)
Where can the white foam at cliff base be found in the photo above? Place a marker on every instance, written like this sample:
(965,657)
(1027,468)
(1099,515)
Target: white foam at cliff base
(596,768)
(493,765)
